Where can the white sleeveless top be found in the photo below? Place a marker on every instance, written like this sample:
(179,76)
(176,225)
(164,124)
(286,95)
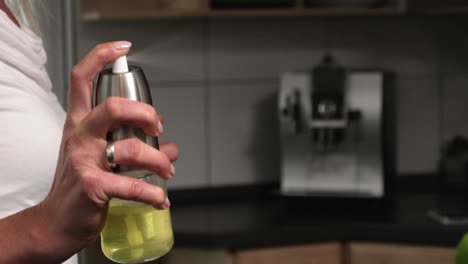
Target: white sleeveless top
(31,121)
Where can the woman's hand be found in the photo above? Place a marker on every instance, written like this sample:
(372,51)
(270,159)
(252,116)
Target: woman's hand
(73,213)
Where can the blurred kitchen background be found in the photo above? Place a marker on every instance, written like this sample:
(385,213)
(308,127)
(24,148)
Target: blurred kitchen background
(215,69)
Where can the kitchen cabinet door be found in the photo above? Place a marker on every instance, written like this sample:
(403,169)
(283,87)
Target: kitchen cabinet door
(93,255)
(373,253)
(327,253)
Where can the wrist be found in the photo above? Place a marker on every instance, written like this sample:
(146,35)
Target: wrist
(26,238)
(42,239)
(48,243)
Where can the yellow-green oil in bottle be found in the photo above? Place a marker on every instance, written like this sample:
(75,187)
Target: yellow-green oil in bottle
(135,232)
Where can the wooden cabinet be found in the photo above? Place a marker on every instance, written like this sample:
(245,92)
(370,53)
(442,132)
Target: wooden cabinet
(373,253)
(328,253)
(320,253)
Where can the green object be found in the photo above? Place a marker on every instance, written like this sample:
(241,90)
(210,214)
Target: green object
(462,251)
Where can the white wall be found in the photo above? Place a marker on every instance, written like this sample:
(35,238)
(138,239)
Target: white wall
(214,80)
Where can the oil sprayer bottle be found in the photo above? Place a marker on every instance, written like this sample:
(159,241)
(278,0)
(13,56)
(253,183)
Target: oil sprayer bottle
(134,232)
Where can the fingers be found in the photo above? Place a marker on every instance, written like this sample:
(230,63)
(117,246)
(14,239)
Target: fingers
(171,150)
(116,111)
(83,74)
(134,152)
(129,188)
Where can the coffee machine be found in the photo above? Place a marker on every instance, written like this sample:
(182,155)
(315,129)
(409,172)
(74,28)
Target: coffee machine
(337,131)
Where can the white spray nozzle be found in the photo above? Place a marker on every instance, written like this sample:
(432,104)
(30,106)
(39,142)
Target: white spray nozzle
(120,65)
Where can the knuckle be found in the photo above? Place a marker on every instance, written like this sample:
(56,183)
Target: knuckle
(102,51)
(163,166)
(150,113)
(136,189)
(134,148)
(75,73)
(112,106)
(98,46)
(166,164)
(160,195)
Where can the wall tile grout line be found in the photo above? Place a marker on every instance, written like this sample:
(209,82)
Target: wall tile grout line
(440,91)
(207,87)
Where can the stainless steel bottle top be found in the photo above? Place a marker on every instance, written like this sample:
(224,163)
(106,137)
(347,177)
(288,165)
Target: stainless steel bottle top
(131,85)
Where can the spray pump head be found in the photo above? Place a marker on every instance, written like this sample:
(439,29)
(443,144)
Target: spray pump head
(120,65)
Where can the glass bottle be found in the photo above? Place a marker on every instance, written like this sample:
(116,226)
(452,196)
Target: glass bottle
(134,232)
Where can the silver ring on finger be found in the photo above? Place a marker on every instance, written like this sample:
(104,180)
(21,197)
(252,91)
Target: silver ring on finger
(110,154)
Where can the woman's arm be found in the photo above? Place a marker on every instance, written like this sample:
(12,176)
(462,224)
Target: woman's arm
(23,238)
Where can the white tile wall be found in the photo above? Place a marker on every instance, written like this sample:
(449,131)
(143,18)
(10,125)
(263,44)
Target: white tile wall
(184,110)
(418,115)
(404,45)
(261,49)
(244,142)
(218,79)
(453,45)
(455,106)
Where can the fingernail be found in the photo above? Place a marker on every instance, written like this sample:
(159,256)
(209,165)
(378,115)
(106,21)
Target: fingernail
(172,172)
(167,203)
(160,127)
(122,45)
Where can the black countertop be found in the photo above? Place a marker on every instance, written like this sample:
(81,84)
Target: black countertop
(249,217)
